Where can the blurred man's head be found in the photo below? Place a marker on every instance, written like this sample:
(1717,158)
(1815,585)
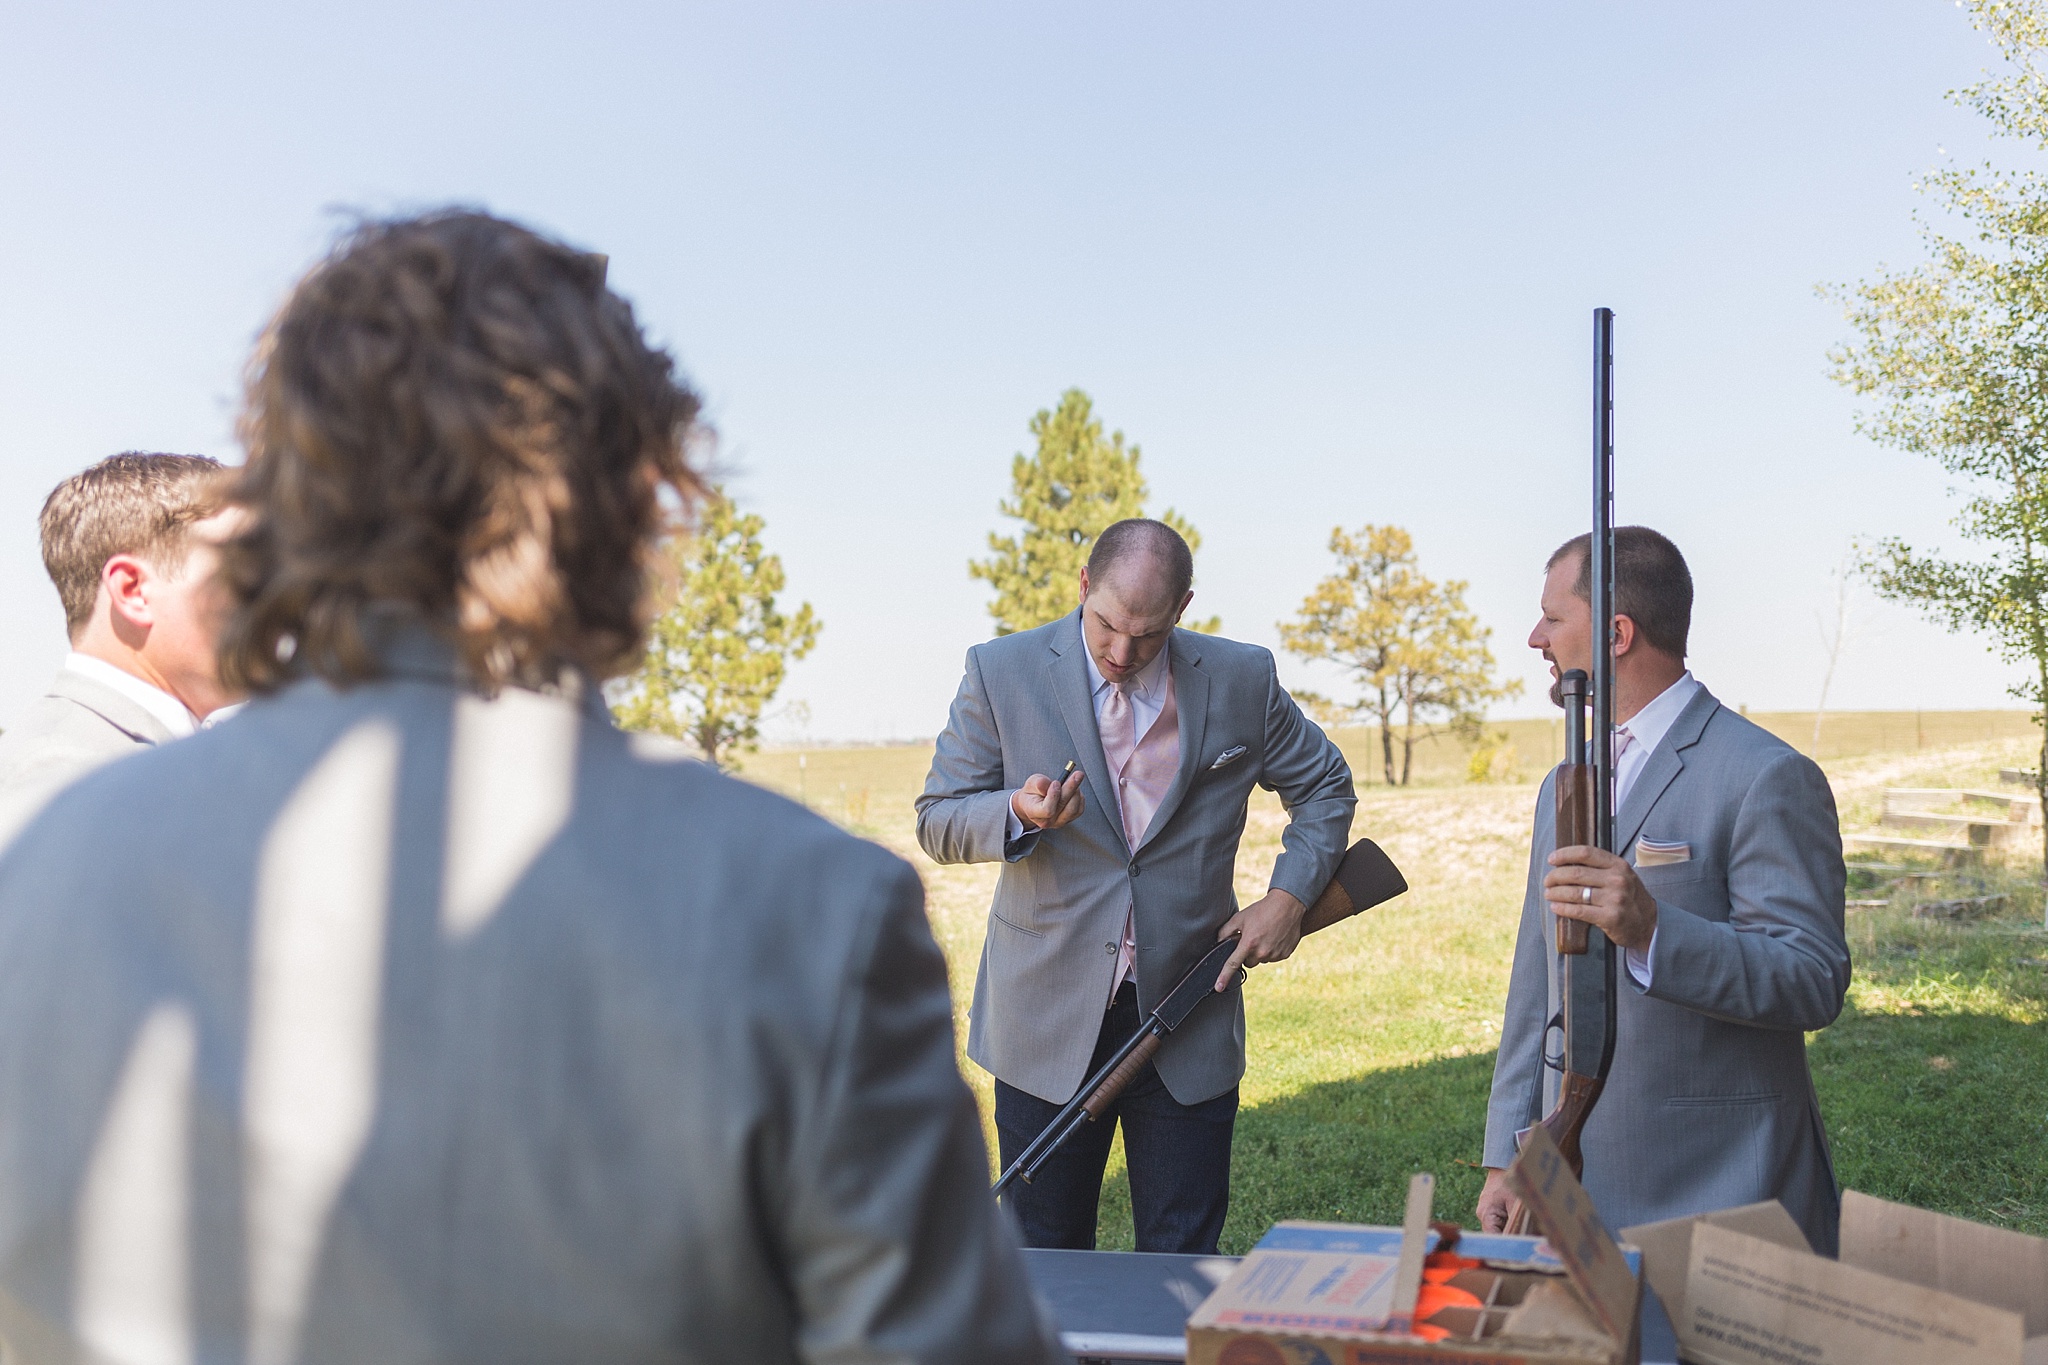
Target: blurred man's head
(1134,590)
(452,419)
(132,545)
(1652,608)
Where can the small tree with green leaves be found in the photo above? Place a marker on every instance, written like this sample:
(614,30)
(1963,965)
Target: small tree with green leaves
(1074,487)
(1955,353)
(1412,647)
(717,655)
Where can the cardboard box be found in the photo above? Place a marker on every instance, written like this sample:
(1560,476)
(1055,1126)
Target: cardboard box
(1337,1294)
(1911,1287)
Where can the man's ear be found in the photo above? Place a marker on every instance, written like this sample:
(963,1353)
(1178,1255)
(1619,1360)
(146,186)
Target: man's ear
(1184,606)
(1084,585)
(1624,634)
(126,581)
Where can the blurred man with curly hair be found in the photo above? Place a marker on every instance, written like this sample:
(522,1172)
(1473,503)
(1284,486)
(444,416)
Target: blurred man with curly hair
(436,1019)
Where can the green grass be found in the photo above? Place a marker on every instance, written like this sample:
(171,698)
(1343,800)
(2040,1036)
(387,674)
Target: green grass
(1934,1082)
(1372,1050)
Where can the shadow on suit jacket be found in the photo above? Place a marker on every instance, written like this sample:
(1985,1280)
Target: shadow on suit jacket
(419,1025)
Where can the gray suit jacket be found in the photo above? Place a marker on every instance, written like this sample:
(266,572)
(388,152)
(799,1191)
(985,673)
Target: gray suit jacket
(1024,707)
(74,727)
(1710,1103)
(414,1026)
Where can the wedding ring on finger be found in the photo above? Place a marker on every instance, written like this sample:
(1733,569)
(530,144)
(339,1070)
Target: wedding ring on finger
(1585,895)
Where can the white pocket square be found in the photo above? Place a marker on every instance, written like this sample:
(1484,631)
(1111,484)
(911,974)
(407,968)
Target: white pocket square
(1651,853)
(1228,757)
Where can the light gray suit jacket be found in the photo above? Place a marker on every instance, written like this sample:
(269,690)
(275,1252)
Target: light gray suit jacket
(74,727)
(415,1027)
(1025,707)
(1710,1103)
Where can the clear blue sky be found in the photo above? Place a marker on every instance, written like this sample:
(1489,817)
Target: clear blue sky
(1324,263)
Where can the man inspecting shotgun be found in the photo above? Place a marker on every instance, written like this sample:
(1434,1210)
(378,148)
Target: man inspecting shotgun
(1117,877)
(1726,902)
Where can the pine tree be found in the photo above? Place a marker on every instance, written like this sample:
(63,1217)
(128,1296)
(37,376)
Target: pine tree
(1066,494)
(717,656)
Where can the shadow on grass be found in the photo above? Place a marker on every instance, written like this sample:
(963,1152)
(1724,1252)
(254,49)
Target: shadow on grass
(1933,1084)
(1342,1151)
(1946,1111)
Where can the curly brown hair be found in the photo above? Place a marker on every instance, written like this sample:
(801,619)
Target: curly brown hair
(453,416)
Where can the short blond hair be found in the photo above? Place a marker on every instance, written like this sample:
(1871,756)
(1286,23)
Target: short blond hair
(452,417)
(128,504)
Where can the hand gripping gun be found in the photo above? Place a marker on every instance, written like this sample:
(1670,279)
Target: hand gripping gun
(1365,877)
(1586,959)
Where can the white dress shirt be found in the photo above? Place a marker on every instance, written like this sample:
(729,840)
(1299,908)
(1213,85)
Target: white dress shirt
(158,703)
(1645,730)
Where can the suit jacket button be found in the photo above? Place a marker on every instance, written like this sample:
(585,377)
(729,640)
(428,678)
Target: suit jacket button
(1109,947)
(1134,869)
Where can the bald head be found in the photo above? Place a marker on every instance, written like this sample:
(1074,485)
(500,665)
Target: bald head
(1133,592)
(1147,561)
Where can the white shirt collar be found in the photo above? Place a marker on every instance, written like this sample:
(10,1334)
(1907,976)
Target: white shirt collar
(1648,726)
(1143,687)
(158,703)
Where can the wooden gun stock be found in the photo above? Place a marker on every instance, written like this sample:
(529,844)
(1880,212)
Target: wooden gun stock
(1565,1123)
(1365,877)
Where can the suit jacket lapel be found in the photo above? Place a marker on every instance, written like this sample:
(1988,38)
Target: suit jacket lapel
(110,706)
(1191,697)
(1067,678)
(1665,765)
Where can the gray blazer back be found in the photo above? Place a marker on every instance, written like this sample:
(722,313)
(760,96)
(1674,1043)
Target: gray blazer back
(416,1026)
(77,725)
(1025,707)
(1710,1103)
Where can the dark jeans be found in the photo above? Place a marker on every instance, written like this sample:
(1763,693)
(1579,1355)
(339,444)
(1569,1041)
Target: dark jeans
(1178,1156)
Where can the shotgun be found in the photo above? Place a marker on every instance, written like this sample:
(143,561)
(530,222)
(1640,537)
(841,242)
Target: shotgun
(1365,877)
(1586,960)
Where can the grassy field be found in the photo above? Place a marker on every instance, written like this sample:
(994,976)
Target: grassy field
(1537,744)
(1372,1050)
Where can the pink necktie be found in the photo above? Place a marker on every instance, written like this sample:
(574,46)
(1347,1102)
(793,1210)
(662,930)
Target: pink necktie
(1119,727)
(1622,739)
(1144,773)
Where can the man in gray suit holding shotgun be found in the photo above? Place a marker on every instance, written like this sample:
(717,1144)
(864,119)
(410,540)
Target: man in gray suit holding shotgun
(1728,908)
(1117,875)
